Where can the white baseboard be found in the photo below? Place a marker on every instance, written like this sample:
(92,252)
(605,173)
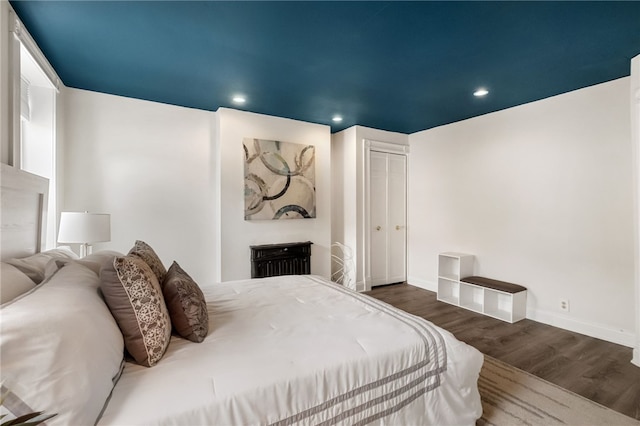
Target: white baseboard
(620,337)
(636,357)
(427,285)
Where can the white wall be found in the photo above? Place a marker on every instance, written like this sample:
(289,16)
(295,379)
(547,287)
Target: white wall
(155,169)
(542,195)
(343,196)
(5,87)
(236,234)
(150,166)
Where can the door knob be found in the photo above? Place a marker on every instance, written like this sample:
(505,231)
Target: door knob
(378,228)
(398,227)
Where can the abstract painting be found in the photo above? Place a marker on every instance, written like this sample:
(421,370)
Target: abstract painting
(279,180)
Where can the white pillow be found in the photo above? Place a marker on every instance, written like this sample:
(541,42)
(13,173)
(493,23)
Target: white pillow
(61,348)
(13,283)
(34,265)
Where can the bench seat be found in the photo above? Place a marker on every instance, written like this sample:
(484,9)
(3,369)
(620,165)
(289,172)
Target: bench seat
(494,284)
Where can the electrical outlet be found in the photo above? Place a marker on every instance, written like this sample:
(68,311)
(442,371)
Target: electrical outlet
(564,305)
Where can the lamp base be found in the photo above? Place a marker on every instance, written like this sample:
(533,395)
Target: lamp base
(85,249)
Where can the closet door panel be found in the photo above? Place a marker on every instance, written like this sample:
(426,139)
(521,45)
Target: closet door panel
(379,221)
(397,233)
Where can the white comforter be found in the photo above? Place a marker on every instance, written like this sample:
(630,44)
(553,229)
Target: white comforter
(300,350)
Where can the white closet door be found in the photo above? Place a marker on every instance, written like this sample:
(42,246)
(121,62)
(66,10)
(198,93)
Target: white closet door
(387,242)
(378,208)
(397,202)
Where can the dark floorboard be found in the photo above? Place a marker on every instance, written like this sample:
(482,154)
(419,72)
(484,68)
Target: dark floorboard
(593,368)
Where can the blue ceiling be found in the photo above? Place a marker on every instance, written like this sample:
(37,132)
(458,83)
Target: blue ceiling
(399,66)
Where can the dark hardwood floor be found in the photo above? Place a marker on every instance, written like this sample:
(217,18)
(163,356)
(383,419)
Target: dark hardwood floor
(593,368)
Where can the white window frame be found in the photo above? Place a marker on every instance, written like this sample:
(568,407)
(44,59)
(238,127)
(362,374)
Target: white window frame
(18,39)
(22,37)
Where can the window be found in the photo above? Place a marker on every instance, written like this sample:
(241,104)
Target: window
(37,137)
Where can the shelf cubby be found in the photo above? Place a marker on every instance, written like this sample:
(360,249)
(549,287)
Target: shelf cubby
(448,291)
(472,297)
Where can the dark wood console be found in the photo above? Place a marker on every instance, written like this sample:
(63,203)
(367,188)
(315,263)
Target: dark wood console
(270,260)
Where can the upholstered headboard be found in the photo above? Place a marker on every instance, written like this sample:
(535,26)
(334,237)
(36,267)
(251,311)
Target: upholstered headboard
(23,212)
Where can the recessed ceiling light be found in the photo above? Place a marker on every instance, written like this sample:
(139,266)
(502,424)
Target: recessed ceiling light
(481,92)
(337,119)
(239,99)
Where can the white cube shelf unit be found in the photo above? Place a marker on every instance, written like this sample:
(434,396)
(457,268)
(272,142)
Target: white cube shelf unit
(451,268)
(497,299)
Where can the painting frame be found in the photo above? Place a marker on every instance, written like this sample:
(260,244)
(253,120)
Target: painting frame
(279,180)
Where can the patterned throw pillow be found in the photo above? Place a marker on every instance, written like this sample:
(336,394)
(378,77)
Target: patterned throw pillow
(134,297)
(186,304)
(146,253)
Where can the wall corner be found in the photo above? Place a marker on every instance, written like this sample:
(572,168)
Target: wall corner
(635,142)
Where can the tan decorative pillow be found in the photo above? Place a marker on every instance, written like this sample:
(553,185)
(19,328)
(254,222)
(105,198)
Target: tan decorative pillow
(146,253)
(13,282)
(134,297)
(34,265)
(186,304)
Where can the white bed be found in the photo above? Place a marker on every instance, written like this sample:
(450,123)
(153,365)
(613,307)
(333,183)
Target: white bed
(283,350)
(301,350)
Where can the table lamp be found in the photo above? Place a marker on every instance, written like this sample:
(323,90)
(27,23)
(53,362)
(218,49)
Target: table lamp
(84,228)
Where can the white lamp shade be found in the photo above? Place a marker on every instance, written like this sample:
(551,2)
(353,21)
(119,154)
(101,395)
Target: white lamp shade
(82,228)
